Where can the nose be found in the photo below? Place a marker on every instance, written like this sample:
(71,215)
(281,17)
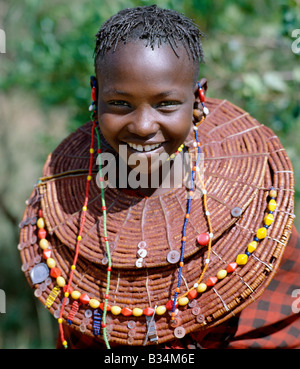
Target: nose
(144,123)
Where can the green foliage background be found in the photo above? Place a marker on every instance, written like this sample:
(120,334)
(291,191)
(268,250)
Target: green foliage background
(44,95)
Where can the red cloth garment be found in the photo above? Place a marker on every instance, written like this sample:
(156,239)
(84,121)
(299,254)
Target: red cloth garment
(271,322)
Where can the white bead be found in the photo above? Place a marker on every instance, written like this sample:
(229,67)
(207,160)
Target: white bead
(205,111)
(204,192)
(195,144)
(195,128)
(196,285)
(211,235)
(206,261)
(207,213)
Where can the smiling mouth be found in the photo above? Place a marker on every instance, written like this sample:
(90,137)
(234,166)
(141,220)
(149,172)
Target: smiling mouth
(144,148)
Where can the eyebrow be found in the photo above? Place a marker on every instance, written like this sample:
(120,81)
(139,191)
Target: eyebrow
(127,94)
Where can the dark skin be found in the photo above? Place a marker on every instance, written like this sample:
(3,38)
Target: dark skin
(146,98)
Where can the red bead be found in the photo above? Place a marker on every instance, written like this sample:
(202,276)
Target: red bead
(103,207)
(148,311)
(108,269)
(84,298)
(47,254)
(192,294)
(201,95)
(211,281)
(101,306)
(99,151)
(231,267)
(103,325)
(126,311)
(42,233)
(105,239)
(40,213)
(55,272)
(94,93)
(66,289)
(106,297)
(203,239)
(169,305)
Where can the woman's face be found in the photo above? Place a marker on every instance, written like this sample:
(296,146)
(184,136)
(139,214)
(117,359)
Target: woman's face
(145,99)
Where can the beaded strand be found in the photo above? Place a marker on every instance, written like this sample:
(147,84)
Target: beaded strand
(196,144)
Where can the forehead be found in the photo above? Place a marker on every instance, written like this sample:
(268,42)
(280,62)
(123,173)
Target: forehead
(135,61)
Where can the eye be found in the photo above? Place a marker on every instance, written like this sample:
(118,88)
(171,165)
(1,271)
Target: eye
(119,103)
(168,105)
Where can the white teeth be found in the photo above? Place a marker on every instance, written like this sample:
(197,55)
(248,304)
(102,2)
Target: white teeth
(143,148)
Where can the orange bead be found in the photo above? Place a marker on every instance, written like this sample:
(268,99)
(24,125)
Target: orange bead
(126,311)
(192,294)
(231,267)
(181,264)
(211,281)
(148,311)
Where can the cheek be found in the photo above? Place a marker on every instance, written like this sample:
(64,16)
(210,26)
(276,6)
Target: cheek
(109,127)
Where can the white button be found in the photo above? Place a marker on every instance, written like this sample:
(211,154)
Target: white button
(173,257)
(142,245)
(179,332)
(139,263)
(142,253)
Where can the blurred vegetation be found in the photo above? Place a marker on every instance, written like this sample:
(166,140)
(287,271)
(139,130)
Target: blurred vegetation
(44,94)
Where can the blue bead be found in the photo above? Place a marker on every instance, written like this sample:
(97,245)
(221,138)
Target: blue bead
(266,226)
(248,253)
(270,212)
(256,239)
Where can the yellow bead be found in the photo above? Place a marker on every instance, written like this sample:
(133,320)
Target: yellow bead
(221,274)
(51,263)
(273,193)
(84,208)
(44,244)
(79,238)
(137,312)
(40,223)
(60,281)
(272,205)
(73,267)
(201,287)
(252,246)
(183,301)
(67,294)
(75,295)
(261,233)
(269,219)
(172,156)
(65,343)
(160,310)
(94,304)
(116,310)
(89,178)
(241,259)
(92,151)
(60,320)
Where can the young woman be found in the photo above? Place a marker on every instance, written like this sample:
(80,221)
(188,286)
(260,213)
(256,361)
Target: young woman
(162,220)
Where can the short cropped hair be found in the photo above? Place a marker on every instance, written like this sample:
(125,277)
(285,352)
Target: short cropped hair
(154,25)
